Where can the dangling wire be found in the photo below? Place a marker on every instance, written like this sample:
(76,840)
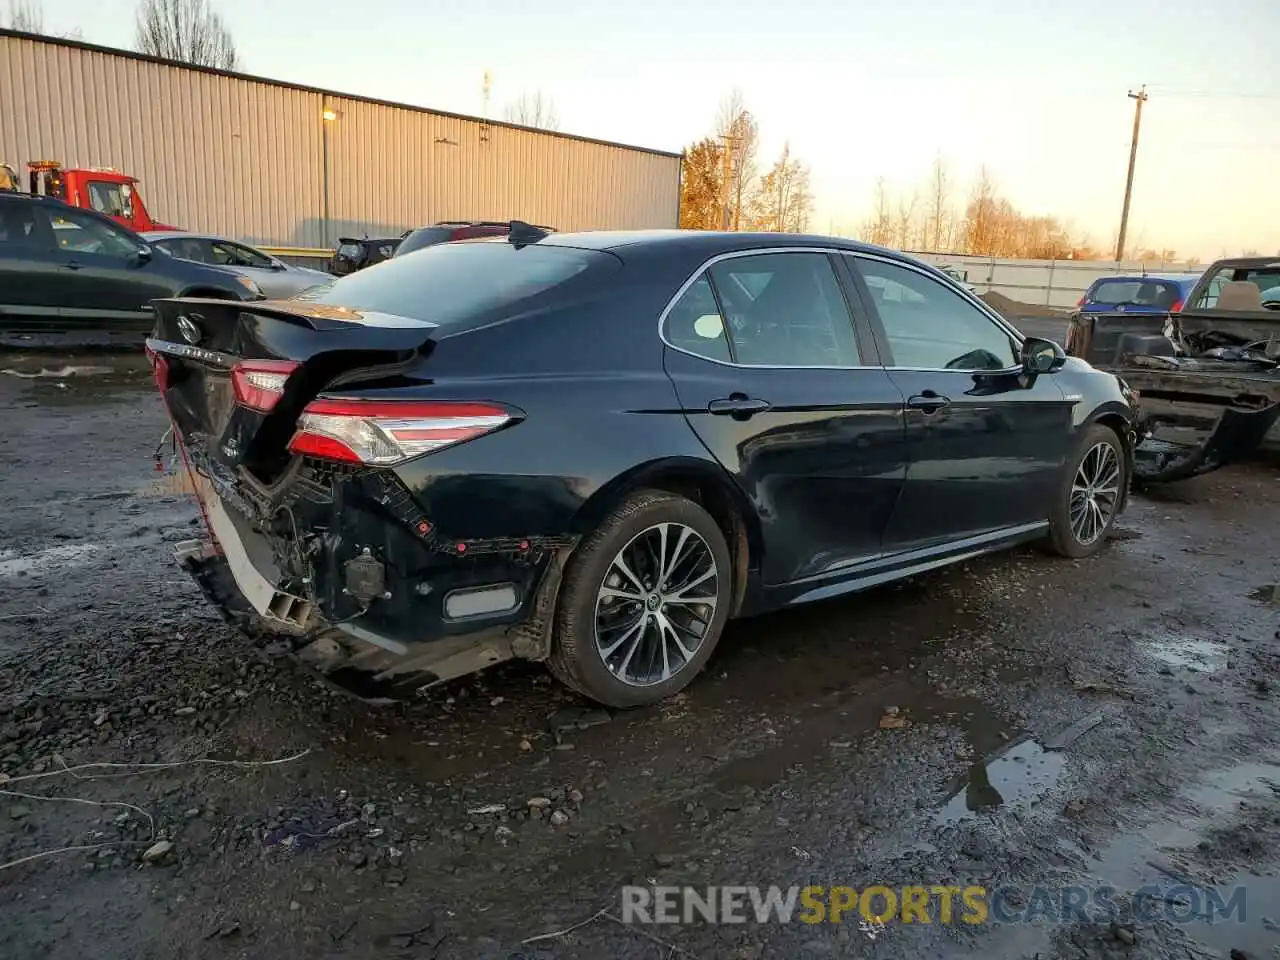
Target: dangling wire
(155,456)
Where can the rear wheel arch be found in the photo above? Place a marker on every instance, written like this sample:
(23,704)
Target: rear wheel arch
(704,483)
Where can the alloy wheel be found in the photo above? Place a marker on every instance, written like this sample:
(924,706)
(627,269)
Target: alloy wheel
(656,604)
(1095,491)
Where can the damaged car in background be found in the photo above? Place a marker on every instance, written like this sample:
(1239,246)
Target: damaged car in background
(593,450)
(1207,376)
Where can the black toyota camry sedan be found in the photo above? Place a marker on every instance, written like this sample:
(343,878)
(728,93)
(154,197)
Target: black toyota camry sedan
(595,449)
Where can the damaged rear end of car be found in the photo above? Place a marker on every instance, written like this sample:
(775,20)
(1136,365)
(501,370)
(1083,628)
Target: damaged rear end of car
(1208,383)
(293,419)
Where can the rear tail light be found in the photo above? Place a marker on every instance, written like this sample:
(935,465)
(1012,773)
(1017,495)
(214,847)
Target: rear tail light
(259,384)
(159,368)
(383,432)
(1177,305)
(1082,301)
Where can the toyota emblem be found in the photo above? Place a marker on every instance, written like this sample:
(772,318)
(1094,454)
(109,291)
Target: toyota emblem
(187,327)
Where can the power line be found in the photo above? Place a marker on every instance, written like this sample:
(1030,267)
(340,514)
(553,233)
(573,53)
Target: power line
(1219,94)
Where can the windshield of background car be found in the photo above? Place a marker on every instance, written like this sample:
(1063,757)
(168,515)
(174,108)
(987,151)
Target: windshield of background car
(451,283)
(425,237)
(351,251)
(1159,294)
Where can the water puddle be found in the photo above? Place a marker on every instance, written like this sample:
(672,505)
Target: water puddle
(1014,778)
(1198,656)
(1267,593)
(1192,865)
(70,555)
(1235,785)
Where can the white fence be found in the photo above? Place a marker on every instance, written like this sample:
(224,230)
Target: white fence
(1050,283)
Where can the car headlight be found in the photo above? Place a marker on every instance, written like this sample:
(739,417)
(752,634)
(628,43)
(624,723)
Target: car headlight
(249,285)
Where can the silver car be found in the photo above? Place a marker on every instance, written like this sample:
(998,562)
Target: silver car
(277,280)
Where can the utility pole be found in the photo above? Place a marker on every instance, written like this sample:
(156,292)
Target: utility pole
(1139,99)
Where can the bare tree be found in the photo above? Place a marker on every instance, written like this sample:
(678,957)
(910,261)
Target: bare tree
(878,228)
(740,135)
(26,15)
(186,30)
(939,219)
(534,110)
(904,224)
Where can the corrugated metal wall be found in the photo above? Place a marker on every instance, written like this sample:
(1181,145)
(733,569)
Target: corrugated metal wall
(247,158)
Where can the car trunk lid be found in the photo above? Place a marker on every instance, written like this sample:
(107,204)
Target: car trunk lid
(235,377)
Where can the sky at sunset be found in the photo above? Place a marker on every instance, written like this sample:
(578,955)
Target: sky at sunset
(1033,90)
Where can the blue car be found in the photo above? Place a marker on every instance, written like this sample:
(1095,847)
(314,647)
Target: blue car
(1149,294)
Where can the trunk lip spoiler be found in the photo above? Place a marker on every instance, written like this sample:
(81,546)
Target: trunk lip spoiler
(333,317)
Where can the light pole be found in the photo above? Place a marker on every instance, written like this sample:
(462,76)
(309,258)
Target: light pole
(327,117)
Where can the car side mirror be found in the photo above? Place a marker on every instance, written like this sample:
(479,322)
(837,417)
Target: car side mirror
(142,255)
(1042,356)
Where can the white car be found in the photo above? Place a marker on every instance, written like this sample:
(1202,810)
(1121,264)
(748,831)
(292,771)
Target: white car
(277,280)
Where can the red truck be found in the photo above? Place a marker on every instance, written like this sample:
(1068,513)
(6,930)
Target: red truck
(103,189)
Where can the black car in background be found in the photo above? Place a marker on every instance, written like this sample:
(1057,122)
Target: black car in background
(352,255)
(64,268)
(449,230)
(595,449)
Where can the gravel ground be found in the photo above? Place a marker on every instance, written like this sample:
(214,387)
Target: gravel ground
(1016,720)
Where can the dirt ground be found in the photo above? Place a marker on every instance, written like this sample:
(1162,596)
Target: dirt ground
(1016,310)
(1015,720)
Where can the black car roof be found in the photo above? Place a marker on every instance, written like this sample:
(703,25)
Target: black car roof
(19,195)
(707,242)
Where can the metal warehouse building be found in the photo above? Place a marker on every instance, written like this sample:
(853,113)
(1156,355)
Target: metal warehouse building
(285,165)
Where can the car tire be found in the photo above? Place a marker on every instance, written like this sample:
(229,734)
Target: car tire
(598,649)
(1090,494)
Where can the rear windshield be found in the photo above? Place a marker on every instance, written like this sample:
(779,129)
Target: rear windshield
(453,282)
(424,237)
(1161,294)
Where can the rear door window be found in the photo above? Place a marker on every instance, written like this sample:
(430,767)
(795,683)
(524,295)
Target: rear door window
(785,309)
(769,309)
(190,248)
(234,255)
(451,283)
